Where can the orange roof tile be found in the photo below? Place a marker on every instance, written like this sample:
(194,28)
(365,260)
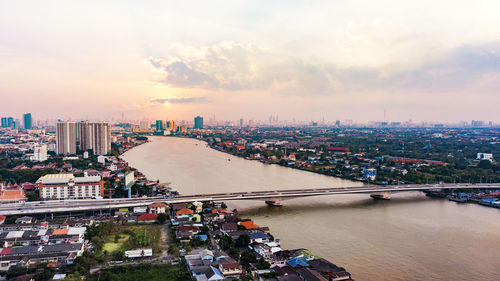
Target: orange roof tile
(185,211)
(60,232)
(249,225)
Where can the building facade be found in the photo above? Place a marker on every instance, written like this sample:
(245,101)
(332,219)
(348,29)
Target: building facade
(198,122)
(95,136)
(39,153)
(67,186)
(66,138)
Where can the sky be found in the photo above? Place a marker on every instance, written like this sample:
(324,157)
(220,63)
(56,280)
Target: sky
(305,60)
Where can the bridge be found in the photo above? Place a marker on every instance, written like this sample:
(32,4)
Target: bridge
(271,196)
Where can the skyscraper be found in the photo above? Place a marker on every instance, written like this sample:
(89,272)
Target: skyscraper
(159,125)
(10,122)
(27,121)
(4,122)
(198,122)
(66,138)
(101,138)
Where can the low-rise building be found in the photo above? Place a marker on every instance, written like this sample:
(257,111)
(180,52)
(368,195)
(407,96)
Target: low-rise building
(67,186)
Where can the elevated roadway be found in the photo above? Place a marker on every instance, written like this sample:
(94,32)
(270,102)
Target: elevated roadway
(65,206)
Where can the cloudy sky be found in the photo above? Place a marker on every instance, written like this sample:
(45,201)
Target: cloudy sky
(308,60)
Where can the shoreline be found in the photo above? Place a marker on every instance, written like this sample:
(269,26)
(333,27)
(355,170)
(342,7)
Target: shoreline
(303,253)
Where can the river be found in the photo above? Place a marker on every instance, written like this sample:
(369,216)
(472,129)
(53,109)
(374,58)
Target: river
(410,237)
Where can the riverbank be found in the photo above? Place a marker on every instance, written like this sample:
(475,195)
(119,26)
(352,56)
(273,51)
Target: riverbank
(370,237)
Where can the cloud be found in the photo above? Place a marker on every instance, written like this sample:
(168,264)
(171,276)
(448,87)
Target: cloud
(233,67)
(179,100)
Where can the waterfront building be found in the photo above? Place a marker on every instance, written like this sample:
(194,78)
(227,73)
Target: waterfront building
(28,122)
(198,122)
(370,174)
(159,125)
(171,125)
(144,125)
(67,186)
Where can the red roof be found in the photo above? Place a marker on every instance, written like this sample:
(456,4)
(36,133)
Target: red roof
(249,225)
(5,251)
(147,217)
(157,205)
(337,149)
(185,211)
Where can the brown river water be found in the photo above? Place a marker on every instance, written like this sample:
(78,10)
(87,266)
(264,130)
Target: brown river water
(410,237)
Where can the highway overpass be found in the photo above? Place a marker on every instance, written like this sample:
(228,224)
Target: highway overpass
(66,206)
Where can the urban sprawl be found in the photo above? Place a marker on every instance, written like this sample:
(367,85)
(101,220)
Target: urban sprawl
(68,160)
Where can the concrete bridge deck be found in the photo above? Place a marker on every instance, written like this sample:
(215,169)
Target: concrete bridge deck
(63,206)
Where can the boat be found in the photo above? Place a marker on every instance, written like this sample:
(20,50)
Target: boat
(274,203)
(380,196)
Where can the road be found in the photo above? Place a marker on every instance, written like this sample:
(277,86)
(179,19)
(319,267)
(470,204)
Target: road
(55,206)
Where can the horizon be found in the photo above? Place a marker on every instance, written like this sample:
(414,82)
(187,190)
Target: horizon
(357,61)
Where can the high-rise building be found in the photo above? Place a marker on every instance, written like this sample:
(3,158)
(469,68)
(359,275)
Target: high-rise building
(171,125)
(101,138)
(144,125)
(28,123)
(66,138)
(4,122)
(10,122)
(159,125)
(95,136)
(198,122)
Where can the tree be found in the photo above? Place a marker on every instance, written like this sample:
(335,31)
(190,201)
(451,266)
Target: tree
(243,240)
(263,264)
(173,249)
(247,258)
(484,164)
(162,218)
(16,270)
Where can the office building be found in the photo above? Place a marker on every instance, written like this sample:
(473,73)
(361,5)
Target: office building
(198,122)
(159,125)
(101,142)
(28,123)
(10,122)
(66,138)
(171,125)
(4,122)
(39,153)
(67,186)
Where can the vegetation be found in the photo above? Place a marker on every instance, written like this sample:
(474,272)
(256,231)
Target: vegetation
(150,272)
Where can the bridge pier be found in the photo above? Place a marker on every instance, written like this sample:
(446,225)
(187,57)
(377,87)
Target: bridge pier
(381,196)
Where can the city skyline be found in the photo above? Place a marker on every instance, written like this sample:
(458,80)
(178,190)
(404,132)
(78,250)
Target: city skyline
(300,60)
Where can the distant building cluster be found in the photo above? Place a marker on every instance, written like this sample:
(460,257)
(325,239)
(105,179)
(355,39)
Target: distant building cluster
(83,136)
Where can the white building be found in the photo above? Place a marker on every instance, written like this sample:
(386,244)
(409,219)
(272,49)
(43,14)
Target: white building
(64,186)
(39,153)
(139,253)
(485,156)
